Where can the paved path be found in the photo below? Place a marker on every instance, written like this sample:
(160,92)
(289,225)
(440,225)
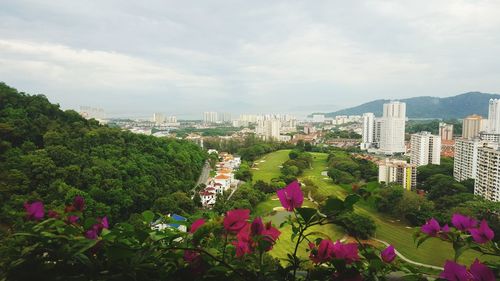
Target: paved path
(407,259)
(235,188)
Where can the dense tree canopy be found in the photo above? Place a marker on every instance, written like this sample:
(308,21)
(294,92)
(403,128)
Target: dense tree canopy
(51,155)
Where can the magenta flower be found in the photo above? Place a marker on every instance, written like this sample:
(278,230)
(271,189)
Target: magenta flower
(257,226)
(462,222)
(455,272)
(291,197)
(34,211)
(196,224)
(431,228)
(72,219)
(323,253)
(271,233)
(348,252)
(191,256)
(52,214)
(481,272)
(235,220)
(79,203)
(388,255)
(91,233)
(482,234)
(445,228)
(104,222)
(242,248)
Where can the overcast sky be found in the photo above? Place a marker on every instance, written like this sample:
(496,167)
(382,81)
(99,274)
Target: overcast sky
(184,57)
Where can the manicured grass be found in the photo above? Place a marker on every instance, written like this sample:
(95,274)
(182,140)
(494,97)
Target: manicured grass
(433,252)
(268,167)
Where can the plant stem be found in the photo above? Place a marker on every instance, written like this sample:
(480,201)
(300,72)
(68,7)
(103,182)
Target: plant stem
(224,249)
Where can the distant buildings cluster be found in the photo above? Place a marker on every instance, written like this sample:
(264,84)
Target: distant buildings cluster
(213,117)
(476,152)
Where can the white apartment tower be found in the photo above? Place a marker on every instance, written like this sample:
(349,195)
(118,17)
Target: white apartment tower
(487,183)
(425,149)
(465,164)
(494,116)
(210,117)
(392,129)
(369,130)
(269,129)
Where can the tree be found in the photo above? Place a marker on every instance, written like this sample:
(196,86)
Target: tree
(357,225)
(441,185)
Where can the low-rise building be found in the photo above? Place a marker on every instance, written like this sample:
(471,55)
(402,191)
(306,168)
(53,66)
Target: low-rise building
(398,171)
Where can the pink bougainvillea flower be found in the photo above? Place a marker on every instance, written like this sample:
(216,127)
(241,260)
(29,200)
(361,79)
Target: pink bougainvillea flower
(257,226)
(462,222)
(271,232)
(347,252)
(455,272)
(52,214)
(242,248)
(388,255)
(191,256)
(483,234)
(321,253)
(445,228)
(235,220)
(91,233)
(196,224)
(72,219)
(291,197)
(431,228)
(481,272)
(104,222)
(79,203)
(34,211)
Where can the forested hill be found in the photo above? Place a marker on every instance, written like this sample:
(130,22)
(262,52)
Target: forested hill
(430,107)
(52,155)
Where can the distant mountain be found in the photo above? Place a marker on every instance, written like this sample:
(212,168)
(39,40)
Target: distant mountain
(430,107)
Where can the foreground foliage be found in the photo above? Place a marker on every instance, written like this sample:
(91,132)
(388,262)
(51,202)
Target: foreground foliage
(66,245)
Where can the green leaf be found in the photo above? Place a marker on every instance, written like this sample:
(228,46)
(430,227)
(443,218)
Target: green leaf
(307,214)
(333,205)
(148,216)
(422,240)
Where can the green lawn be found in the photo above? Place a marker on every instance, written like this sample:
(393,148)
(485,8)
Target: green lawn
(268,167)
(433,252)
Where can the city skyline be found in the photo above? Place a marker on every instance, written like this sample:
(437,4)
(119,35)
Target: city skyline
(292,57)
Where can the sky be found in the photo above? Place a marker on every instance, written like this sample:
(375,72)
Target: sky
(133,58)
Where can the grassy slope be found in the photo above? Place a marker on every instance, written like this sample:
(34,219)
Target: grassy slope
(433,252)
(270,168)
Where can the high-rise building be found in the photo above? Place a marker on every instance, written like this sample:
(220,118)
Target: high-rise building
(368,133)
(445,131)
(210,117)
(425,149)
(465,163)
(392,130)
(398,171)
(494,116)
(158,118)
(472,125)
(224,117)
(487,183)
(269,129)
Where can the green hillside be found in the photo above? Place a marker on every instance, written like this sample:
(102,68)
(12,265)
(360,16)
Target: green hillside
(430,107)
(52,155)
